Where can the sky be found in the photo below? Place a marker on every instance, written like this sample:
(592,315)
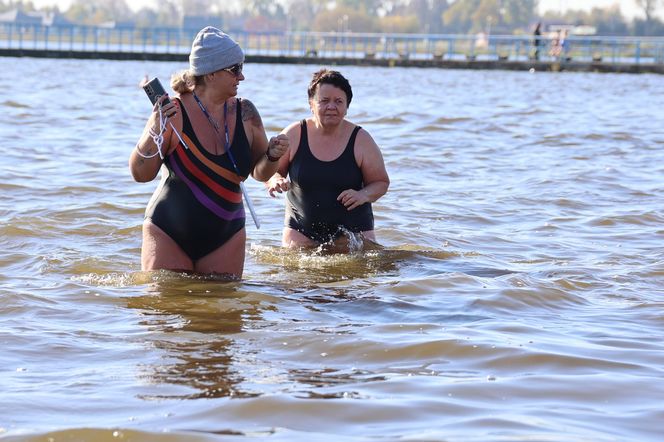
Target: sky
(627,7)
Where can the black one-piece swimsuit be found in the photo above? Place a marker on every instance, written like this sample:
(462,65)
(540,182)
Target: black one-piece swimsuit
(311,204)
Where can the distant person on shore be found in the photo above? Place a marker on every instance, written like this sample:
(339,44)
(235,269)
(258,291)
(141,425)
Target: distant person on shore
(206,142)
(336,171)
(565,46)
(560,45)
(555,49)
(537,35)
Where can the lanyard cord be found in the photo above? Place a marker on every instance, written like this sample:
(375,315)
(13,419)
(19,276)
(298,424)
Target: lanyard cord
(227,146)
(158,137)
(215,126)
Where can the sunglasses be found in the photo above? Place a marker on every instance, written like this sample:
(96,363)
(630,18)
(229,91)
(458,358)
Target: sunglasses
(235,70)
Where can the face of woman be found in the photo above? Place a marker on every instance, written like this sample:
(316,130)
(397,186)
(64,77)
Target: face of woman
(229,78)
(329,105)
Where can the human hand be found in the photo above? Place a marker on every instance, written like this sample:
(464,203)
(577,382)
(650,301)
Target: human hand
(277,147)
(168,107)
(351,198)
(277,184)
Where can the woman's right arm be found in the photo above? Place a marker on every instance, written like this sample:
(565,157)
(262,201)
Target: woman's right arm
(145,161)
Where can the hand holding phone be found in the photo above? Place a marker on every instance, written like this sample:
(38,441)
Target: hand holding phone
(154,90)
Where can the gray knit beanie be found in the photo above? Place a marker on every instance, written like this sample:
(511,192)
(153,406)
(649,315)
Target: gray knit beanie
(213,50)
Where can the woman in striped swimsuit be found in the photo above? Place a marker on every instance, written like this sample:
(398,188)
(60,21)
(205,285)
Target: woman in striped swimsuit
(211,142)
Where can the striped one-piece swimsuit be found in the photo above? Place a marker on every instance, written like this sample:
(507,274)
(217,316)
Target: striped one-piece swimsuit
(199,203)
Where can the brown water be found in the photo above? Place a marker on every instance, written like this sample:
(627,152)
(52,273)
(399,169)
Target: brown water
(519,294)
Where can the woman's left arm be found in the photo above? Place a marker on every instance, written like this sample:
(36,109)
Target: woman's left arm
(264,154)
(374,174)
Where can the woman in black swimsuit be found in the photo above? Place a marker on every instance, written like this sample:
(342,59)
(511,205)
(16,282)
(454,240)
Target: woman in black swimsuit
(336,170)
(209,144)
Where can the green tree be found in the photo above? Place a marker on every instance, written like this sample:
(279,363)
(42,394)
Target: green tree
(518,13)
(501,16)
(266,8)
(458,18)
(94,12)
(608,21)
(370,7)
(429,13)
(399,24)
(344,19)
(488,17)
(81,11)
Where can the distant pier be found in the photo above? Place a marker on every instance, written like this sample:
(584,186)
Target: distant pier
(511,65)
(585,54)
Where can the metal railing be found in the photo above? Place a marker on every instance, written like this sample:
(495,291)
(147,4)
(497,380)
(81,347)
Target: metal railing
(595,49)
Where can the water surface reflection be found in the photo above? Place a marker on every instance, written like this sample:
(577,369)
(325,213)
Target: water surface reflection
(192,322)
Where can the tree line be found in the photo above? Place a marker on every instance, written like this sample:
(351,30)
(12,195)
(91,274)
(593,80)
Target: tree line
(388,16)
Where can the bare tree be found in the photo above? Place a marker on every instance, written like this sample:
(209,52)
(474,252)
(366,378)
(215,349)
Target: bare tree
(648,7)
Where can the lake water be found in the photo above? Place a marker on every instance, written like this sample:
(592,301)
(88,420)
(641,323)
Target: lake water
(519,296)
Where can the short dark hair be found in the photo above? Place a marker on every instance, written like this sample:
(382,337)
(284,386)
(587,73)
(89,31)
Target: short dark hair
(327,76)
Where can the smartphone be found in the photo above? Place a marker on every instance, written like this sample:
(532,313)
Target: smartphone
(154,89)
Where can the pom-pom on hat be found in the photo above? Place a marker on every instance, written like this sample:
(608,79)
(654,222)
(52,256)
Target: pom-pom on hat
(213,50)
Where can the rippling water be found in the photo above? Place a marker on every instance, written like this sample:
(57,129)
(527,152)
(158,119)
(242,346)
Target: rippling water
(518,295)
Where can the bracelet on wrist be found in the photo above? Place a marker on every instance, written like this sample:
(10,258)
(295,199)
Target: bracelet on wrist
(148,155)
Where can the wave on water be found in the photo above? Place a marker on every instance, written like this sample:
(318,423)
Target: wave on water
(317,266)
(117,435)
(222,434)
(137,278)
(385,120)
(14,104)
(291,267)
(114,279)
